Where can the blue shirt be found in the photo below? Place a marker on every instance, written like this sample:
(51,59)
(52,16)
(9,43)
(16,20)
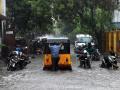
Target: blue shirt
(18,49)
(55,50)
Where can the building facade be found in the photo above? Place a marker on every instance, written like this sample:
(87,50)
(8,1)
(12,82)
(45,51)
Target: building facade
(116,16)
(2,19)
(2,14)
(3,7)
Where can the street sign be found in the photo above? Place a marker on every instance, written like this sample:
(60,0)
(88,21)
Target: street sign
(9,32)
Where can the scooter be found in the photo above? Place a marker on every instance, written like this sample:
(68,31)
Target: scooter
(109,61)
(95,56)
(16,62)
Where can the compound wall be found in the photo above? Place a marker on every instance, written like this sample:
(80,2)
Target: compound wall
(112,40)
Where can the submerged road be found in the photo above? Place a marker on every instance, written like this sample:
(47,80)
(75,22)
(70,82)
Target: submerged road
(34,78)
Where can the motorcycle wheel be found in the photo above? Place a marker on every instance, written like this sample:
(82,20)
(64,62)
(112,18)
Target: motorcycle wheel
(18,66)
(9,68)
(102,65)
(88,64)
(82,63)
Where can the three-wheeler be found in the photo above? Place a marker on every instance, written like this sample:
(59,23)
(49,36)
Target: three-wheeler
(64,62)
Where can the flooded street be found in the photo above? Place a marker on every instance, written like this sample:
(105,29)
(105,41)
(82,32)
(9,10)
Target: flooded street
(34,78)
(59,29)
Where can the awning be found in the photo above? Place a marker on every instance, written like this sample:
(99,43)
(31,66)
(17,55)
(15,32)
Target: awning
(2,17)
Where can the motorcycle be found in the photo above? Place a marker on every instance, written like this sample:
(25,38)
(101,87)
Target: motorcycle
(109,61)
(17,61)
(85,59)
(95,56)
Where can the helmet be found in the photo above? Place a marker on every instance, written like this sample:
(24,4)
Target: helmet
(85,51)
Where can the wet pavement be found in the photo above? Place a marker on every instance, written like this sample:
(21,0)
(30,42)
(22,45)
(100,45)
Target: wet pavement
(34,78)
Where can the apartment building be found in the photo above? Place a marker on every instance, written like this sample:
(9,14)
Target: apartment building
(2,19)
(116,16)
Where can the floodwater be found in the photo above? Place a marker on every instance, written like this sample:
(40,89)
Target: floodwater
(34,78)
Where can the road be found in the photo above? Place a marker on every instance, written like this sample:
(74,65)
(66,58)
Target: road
(34,78)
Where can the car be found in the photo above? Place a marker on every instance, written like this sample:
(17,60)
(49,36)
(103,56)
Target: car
(83,39)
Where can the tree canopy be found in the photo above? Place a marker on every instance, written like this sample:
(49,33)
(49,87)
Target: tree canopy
(73,16)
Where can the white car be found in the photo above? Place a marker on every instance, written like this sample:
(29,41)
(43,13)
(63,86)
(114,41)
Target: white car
(83,39)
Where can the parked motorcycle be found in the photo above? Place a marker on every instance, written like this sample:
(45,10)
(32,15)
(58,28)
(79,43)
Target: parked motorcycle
(17,61)
(85,59)
(109,61)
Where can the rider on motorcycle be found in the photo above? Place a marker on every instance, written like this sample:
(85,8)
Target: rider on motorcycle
(84,59)
(90,49)
(18,50)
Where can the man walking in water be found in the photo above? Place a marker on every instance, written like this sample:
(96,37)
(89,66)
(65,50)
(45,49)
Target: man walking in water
(55,48)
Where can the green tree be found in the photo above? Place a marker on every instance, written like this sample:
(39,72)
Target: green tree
(86,16)
(75,16)
(31,16)
(41,15)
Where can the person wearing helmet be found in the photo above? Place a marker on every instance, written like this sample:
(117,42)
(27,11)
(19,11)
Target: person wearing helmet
(18,49)
(84,59)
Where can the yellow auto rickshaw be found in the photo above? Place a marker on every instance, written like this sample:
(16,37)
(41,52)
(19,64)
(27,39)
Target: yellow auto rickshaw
(64,54)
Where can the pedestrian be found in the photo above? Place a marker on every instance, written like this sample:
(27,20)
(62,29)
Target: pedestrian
(55,48)
(78,53)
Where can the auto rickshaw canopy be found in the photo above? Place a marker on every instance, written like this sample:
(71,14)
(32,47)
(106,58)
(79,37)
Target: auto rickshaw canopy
(64,41)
